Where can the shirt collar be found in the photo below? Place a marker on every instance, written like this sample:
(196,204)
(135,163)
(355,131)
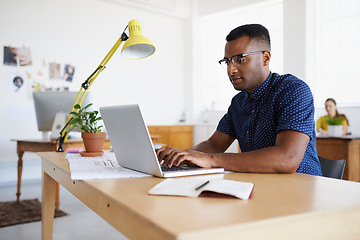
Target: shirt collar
(256,94)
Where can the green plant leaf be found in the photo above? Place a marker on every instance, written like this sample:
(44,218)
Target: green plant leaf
(72,128)
(86,128)
(74,113)
(85,120)
(87,106)
(75,121)
(334,121)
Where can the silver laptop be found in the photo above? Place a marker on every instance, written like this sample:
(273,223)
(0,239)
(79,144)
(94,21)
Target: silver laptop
(131,142)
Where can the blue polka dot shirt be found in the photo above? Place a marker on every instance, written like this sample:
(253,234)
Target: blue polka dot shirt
(281,102)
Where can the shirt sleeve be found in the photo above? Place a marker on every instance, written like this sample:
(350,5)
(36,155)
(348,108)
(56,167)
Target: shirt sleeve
(344,122)
(296,109)
(320,123)
(226,124)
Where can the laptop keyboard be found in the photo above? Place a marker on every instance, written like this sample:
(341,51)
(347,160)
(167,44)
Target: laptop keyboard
(164,169)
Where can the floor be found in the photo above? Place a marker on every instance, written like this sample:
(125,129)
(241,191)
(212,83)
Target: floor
(80,223)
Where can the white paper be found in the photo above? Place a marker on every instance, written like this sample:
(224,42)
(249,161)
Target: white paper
(187,187)
(102,167)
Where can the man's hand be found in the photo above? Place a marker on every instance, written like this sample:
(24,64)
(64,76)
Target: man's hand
(174,157)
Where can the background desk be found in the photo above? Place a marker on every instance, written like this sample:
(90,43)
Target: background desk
(347,147)
(36,145)
(282,206)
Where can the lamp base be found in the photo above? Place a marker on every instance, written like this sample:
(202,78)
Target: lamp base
(61,141)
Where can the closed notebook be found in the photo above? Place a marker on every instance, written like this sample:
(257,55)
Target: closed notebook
(203,186)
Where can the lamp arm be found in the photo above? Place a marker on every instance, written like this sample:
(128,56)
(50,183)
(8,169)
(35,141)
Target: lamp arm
(61,138)
(87,84)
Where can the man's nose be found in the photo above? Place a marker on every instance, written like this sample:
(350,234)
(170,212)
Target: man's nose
(232,69)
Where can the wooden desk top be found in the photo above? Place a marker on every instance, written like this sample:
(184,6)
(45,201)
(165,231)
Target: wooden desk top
(282,205)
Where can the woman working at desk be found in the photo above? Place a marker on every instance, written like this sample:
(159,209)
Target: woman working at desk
(330,106)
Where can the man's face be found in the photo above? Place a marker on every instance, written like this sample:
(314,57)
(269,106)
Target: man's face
(253,70)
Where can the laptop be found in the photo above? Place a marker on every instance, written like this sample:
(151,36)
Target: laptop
(132,145)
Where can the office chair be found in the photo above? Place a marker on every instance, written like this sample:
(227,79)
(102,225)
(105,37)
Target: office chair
(332,168)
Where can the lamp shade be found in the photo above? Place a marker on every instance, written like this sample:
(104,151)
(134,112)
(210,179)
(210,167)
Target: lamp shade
(137,46)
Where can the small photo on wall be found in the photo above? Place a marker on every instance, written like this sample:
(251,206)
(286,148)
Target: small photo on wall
(24,56)
(69,71)
(17,56)
(10,56)
(17,82)
(54,71)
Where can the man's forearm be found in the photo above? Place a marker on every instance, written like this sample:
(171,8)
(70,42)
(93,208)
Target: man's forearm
(205,147)
(284,157)
(266,160)
(217,143)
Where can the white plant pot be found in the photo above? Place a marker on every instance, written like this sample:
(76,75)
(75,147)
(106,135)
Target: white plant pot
(335,130)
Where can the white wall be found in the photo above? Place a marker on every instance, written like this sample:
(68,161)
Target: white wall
(294,37)
(81,32)
(207,7)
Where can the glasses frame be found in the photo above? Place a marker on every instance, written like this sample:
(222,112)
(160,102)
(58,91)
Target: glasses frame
(227,60)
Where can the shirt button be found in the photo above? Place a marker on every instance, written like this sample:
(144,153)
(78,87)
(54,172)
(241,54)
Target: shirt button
(247,132)
(253,111)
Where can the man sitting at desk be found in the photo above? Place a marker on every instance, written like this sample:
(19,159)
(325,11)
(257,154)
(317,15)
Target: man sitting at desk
(272,117)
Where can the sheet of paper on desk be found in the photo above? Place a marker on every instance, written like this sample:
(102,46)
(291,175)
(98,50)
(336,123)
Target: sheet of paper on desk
(211,185)
(103,167)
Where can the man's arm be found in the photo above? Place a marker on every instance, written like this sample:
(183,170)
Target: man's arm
(284,157)
(217,143)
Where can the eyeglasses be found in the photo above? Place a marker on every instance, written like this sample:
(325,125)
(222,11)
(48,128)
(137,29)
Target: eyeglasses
(236,59)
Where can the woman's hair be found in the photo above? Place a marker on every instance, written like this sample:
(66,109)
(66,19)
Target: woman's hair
(336,111)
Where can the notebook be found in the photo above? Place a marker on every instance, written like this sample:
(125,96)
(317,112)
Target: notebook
(132,145)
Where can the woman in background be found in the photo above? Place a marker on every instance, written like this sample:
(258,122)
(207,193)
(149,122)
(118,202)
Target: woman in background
(330,106)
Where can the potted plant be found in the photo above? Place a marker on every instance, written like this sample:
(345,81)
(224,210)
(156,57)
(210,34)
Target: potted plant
(334,126)
(91,133)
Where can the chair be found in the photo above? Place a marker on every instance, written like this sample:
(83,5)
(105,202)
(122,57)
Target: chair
(332,168)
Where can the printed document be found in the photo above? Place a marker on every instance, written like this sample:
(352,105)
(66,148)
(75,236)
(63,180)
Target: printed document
(102,167)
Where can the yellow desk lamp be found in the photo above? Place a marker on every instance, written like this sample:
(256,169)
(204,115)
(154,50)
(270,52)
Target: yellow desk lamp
(136,47)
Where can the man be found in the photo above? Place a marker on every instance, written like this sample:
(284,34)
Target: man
(272,117)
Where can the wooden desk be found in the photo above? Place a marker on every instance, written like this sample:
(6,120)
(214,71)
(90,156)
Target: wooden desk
(347,147)
(36,145)
(282,206)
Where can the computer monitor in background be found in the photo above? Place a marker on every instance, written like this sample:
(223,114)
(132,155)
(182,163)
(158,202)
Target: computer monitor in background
(52,110)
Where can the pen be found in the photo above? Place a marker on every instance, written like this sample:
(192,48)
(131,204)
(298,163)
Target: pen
(202,185)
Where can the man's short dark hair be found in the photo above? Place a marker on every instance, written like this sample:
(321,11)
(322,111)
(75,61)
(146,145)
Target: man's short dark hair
(255,32)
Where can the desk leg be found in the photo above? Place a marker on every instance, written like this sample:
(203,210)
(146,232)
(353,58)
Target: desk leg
(47,206)
(20,167)
(57,197)
(354,160)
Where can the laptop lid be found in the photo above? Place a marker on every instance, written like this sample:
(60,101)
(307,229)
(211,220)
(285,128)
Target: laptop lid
(130,138)
(132,143)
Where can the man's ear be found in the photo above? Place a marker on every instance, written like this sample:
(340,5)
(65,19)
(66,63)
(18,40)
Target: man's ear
(266,58)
